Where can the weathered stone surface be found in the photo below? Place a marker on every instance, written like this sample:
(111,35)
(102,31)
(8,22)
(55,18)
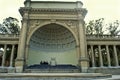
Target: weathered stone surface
(3,70)
(53,76)
(11,70)
(111,70)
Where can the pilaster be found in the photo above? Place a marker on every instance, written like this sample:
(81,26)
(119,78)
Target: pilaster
(22,43)
(83,47)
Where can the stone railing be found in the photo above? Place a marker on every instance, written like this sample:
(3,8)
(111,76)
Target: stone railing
(103,37)
(9,36)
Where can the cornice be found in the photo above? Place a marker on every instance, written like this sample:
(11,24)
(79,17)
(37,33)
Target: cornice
(53,1)
(76,11)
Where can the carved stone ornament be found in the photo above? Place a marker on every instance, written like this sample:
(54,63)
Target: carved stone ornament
(33,24)
(70,23)
(53,20)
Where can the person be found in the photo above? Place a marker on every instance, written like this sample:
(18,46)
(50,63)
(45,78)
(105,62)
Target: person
(41,62)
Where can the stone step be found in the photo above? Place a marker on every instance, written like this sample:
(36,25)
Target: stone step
(52,71)
(54,76)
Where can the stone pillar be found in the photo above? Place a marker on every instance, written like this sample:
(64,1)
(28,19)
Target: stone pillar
(92,55)
(100,56)
(108,56)
(78,51)
(11,69)
(4,55)
(83,61)
(115,55)
(12,56)
(22,43)
(26,54)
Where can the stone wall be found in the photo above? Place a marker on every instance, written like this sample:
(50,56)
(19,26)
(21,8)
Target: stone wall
(114,71)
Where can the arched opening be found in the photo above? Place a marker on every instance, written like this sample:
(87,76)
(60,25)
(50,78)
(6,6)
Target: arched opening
(53,44)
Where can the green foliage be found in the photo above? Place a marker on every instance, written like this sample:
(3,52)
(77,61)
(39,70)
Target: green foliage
(2,29)
(95,27)
(10,26)
(113,28)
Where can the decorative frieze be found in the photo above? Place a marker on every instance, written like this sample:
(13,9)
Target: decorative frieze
(53,11)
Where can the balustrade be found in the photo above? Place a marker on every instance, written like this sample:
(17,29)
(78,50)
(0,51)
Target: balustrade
(9,35)
(88,36)
(103,36)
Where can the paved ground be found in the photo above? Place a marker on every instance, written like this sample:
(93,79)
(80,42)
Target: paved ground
(55,76)
(114,77)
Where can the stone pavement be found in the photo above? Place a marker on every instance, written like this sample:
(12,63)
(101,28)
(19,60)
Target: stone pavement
(58,76)
(114,77)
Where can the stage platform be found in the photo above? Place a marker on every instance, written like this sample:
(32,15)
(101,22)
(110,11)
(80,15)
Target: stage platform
(36,68)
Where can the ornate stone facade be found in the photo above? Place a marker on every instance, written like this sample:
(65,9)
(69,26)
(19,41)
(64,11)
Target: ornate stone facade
(56,34)
(53,31)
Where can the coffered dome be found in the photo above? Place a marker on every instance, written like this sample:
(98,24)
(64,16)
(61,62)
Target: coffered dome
(52,38)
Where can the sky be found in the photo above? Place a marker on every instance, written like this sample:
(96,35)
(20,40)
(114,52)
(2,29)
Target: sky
(108,9)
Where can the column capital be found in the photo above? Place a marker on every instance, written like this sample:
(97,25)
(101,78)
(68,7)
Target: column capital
(25,16)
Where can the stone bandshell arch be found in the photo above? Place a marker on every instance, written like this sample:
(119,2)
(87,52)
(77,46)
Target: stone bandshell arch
(47,23)
(58,23)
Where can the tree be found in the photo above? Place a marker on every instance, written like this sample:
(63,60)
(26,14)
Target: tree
(113,28)
(95,27)
(10,26)
(2,29)
(90,27)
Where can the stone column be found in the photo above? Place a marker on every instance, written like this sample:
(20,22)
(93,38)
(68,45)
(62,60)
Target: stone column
(108,56)
(83,61)
(22,43)
(100,56)
(26,54)
(92,55)
(4,55)
(12,56)
(115,55)
(78,51)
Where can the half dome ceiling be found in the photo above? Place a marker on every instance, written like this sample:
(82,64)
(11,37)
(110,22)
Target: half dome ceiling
(52,37)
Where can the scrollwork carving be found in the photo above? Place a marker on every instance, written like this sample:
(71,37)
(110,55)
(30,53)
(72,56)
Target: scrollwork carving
(33,24)
(70,23)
